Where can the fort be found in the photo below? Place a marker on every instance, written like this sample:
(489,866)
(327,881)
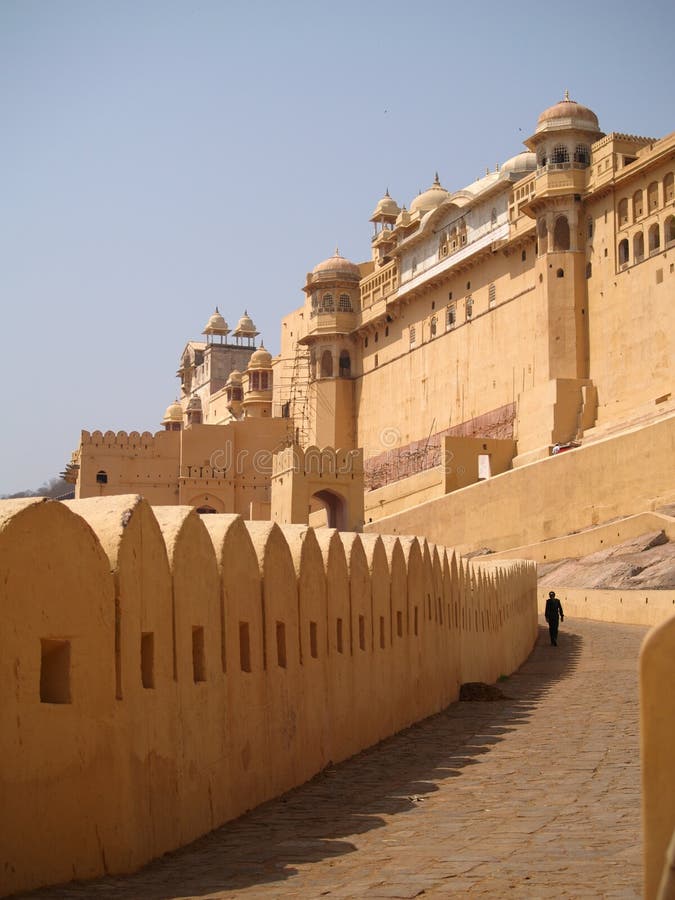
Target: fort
(285,565)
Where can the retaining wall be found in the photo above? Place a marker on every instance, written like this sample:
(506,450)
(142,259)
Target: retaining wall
(162,673)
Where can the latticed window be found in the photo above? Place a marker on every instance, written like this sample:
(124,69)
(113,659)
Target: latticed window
(432,326)
(345,303)
(327,304)
(492,295)
(582,154)
(450,316)
(560,154)
(469,307)
(413,335)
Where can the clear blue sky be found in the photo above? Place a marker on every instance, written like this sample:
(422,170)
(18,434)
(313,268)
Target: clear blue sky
(162,158)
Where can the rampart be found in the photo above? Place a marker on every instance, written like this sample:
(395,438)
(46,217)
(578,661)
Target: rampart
(162,672)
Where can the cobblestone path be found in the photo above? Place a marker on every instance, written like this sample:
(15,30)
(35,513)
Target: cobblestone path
(535,796)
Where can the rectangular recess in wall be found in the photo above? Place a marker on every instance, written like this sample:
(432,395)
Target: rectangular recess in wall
(362,632)
(313,644)
(416,622)
(399,623)
(338,636)
(148,659)
(198,661)
(244,647)
(281,645)
(381,632)
(54,671)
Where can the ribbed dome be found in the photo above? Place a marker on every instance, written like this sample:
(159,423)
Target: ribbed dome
(245,327)
(234,377)
(174,413)
(261,359)
(216,325)
(194,403)
(337,265)
(521,162)
(386,207)
(430,198)
(567,112)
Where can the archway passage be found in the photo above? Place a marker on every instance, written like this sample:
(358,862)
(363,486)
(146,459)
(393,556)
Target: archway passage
(336,509)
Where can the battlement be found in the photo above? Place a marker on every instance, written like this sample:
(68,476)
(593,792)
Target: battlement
(320,461)
(141,442)
(150,657)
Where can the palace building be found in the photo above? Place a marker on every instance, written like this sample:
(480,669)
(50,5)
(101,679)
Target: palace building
(527,312)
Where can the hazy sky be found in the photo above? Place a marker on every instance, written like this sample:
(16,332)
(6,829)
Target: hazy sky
(162,158)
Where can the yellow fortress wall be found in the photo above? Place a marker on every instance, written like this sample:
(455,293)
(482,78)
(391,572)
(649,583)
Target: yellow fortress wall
(161,673)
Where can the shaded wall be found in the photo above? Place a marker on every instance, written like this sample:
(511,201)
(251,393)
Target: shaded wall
(162,672)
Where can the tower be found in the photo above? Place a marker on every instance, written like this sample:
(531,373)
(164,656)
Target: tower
(332,290)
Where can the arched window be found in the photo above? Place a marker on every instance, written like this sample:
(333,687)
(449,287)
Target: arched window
(669,188)
(326,364)
(345,364)
(101,477)
(638,208)
(623,252)
(345,303)
(589,228)
(654,239)
(623,212)
(561,234)
(255,381)
(582,154)
(469,307)
(541,158)
(327,304)
(432,326)
(560,154)
(264,381)
(542,232)
(669,230)
(638,247)
(493,217)
(560,273)
(652,197)
(450,316)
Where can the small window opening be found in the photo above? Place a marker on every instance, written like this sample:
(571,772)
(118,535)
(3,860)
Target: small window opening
(101,477)
(399,623)
(362,632)
(198,662)
(492,295)
(381,632)
(416,622)
(338,636)
(281,645)
(148,659)
(560,273)
(244,647)
(55,671)
(523,256)
(313,643)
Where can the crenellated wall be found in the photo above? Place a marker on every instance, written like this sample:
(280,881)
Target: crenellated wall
(162,672)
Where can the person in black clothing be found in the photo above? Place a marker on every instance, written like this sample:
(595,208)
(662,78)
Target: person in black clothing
(551,613)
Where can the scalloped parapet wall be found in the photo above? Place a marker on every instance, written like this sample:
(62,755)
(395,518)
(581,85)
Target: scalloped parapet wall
(315,460)
(150,659)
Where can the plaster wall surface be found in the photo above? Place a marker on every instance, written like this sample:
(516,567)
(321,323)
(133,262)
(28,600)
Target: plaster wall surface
(657,740)
(647,607)
(163,672)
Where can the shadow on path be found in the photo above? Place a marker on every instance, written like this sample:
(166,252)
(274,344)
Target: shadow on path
(313,822)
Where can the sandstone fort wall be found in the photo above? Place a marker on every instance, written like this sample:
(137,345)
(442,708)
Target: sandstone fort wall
(162,673)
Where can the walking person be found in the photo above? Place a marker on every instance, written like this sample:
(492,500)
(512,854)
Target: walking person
(551,613)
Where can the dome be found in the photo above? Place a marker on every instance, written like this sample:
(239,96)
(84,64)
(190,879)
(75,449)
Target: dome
(261,359)
(522,162)
(567,113)
(174,413)
(216,325)
(338,266)
(403,217)
(386,207)
(234,377)
(245,327)
(194,404)
(430,199)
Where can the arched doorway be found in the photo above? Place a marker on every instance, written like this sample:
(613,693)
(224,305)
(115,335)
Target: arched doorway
(336,508)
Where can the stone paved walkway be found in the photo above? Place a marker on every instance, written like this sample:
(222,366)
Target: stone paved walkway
(537,796)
